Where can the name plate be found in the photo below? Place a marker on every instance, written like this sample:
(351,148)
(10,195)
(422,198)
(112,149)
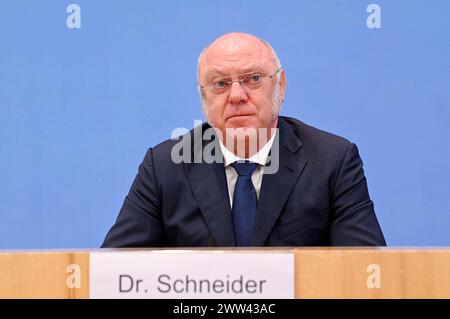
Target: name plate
(204,275)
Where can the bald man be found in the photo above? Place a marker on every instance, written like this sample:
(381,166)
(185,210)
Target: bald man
(247,177)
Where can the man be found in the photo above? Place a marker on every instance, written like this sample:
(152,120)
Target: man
(298,186)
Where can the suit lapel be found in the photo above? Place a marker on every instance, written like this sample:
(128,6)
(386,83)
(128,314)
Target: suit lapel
(276,188)
(209,186)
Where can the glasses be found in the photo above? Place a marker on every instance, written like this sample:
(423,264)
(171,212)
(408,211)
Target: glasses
(251,81)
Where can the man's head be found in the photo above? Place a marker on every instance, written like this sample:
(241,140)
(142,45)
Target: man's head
(253,103)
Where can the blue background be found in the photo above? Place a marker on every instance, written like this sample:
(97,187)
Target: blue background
(79,107)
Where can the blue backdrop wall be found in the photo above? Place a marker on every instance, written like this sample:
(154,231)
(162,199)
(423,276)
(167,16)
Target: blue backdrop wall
(79,107)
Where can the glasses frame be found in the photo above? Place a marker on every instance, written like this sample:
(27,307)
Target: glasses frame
(230,83)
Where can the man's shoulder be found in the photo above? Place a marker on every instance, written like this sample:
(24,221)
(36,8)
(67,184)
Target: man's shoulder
(311,136)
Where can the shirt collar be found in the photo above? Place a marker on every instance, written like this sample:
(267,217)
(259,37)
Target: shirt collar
(260,157)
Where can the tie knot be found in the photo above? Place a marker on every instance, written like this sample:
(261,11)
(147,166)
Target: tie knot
(244,169)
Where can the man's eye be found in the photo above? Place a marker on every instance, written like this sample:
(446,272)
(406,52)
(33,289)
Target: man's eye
(255,78)
(220,84)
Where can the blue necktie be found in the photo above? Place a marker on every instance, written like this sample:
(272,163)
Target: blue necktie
(244,203)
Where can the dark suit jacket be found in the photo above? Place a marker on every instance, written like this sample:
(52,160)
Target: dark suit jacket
(318,197)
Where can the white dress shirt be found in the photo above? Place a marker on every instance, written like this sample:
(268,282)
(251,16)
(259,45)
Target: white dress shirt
(260,158)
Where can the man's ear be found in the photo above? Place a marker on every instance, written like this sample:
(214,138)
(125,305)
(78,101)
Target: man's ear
(282,84)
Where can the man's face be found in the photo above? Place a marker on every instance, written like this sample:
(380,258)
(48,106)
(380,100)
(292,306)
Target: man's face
(240,106)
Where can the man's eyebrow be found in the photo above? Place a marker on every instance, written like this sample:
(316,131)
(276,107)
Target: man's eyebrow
(213,72)
(253,68)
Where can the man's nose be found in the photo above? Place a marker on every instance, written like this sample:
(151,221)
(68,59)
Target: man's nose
(237,94)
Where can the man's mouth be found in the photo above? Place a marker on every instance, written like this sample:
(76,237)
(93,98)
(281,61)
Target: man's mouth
(238,116)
